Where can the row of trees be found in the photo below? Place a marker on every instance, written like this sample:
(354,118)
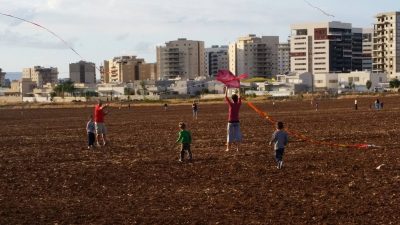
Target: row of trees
(69,88)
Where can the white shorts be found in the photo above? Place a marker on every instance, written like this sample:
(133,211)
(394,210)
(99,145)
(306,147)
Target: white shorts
(100,128)
(234,134)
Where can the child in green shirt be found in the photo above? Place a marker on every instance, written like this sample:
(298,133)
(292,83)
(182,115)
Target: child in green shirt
(185,138)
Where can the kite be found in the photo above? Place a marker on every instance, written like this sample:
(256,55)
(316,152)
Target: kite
(46,29)
(229,79)
(319,9)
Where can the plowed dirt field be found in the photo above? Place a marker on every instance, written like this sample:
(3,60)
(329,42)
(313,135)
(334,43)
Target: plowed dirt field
(48,176)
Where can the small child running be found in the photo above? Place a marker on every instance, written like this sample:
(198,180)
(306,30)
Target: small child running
(90,129)
(185,138)
(280,140)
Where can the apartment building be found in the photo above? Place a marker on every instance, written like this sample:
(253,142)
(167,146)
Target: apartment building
(386,44)
(23,86)
(181,58)
(2,78)
(82,72)
(122,69)
(41,75)
(255,56)
(325,48)
(216,58)
(283,58)
(367,36)
(148,71)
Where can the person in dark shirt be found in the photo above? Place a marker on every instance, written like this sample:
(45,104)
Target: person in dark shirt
(279,139)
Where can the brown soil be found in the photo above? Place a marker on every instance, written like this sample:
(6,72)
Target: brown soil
(47,175)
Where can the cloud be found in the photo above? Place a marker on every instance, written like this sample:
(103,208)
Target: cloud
(23,13)
(122,37)
(10,38)
(52,4)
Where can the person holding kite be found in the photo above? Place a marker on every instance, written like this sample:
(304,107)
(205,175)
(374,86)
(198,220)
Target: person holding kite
(233,130)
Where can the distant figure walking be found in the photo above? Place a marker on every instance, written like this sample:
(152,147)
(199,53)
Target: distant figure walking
(195,109)
(234,136)
(101,130)
(280,140)
(316,106)
(185,138)
(165,107)
(355,104)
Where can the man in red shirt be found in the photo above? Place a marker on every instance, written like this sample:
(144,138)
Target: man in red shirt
(234,134)
(101,129)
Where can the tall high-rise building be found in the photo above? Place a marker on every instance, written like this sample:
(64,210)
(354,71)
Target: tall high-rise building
(122,69)
(255,56)
(356,49)
(283,58)
(386,47)
(2,78)
(325,48)
(216,58)
(41,75)
(82,72)
(367,34)
(181,58)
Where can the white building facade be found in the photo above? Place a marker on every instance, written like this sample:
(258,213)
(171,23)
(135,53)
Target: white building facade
(386,44)
(181,58)
(356,81)
(328,47)
(255,56)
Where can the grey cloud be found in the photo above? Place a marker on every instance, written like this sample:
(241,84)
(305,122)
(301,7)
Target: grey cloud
(144,47)
(122,37)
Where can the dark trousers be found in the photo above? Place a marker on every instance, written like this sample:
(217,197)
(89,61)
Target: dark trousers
(91,138)
(186,147)
(279,154)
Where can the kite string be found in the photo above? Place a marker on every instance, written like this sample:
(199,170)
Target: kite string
(303,137)
(46,29)
(319,9)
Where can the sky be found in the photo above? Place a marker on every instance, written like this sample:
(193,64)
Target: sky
(102,29)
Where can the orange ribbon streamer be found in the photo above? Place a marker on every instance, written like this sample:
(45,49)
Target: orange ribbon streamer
(303,137)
